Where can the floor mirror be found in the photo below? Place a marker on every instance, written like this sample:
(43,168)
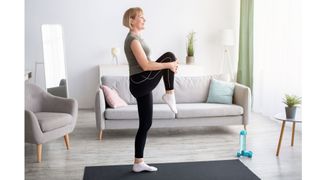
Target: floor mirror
(54,60)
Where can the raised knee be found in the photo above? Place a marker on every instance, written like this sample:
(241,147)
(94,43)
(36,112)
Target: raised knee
(171,55)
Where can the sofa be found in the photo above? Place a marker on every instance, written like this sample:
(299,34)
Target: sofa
(191,97)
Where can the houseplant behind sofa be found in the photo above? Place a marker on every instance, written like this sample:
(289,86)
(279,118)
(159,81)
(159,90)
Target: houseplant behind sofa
(191,95)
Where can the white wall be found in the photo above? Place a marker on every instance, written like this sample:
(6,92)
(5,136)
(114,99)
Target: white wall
(92,27)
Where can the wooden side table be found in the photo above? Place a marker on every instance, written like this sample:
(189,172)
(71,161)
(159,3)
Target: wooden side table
(282,117)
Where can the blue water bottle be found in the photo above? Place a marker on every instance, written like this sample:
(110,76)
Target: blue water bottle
(243,149)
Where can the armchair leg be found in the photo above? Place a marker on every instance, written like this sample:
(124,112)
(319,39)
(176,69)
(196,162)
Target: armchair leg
(39,152)
(100,134)
(66,140)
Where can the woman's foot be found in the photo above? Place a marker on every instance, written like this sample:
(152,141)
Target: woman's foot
(170,99)
(142,166)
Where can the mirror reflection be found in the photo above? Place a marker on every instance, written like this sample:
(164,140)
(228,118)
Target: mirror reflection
(54,62)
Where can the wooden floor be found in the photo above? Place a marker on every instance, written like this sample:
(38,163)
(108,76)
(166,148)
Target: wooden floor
(168,145)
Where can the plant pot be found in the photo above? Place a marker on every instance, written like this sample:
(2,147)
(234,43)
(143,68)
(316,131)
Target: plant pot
(189,60)
(291,112)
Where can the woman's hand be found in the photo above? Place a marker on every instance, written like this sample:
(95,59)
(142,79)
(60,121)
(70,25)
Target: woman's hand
(173,66)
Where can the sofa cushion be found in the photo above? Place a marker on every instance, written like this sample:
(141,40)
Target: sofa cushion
(193,89)
(121,85)
(160,111)
(193,110)
(220,92)
(112,97)
(50,121)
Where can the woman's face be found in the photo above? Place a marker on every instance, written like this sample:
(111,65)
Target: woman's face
(138,22)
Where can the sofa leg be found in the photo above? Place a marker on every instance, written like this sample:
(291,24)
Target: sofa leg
(66,140)
(39,152)
(100,134)
(245,127)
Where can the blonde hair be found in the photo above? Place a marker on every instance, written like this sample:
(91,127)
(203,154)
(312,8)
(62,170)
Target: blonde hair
(129,15)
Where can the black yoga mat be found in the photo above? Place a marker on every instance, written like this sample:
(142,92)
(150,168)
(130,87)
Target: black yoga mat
(202,170)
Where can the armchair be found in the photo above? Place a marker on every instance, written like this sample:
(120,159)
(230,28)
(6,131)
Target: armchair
(47,117)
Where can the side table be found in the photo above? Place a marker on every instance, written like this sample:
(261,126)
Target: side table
(282,117)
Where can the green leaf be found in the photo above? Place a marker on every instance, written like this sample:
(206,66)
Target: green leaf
(190,44)
(291,100)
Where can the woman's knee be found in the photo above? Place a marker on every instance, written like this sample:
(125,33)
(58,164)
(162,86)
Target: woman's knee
(148,125)
(171,55)
(144,128)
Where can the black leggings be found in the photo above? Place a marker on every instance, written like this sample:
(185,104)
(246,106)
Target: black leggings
(141,86)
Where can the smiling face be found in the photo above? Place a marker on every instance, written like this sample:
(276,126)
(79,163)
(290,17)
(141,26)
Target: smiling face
(138,21)
(133,19)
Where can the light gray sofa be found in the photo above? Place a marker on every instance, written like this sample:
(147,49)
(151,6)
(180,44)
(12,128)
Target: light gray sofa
(191,96)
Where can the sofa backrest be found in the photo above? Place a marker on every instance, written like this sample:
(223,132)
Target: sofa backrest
(34,97)
(193,89)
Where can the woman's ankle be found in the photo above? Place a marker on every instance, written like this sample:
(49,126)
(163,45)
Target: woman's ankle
(138,160)
(169,91)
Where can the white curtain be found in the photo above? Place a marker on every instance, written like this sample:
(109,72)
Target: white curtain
(277,54)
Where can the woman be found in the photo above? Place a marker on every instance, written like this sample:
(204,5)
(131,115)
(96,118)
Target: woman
(144,77)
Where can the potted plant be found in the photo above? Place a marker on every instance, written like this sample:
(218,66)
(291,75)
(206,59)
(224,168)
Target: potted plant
(190,48)
(291,101)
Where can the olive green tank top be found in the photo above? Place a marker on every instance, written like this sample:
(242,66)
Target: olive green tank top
(134,67)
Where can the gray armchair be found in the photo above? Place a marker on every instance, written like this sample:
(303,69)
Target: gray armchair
(47,117)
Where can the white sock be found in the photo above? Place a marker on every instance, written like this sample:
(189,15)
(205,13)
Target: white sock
(142,166)
(170,99)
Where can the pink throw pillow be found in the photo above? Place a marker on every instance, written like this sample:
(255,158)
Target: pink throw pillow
(112,97)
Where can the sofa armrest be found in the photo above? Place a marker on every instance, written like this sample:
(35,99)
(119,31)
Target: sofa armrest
(58,104)
(32,129)
(100,107)
(242,97)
